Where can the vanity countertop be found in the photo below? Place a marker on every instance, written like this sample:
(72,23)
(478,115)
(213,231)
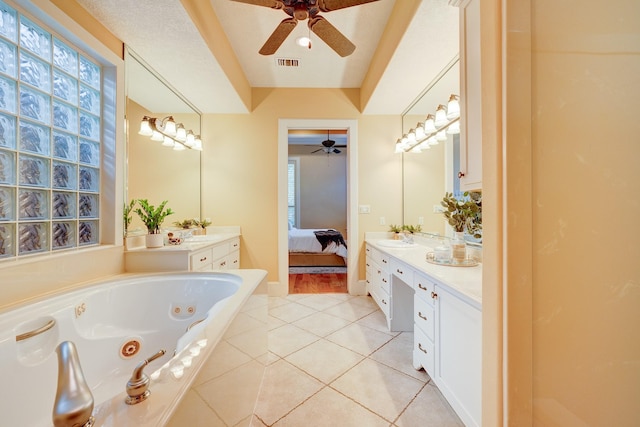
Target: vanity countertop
(190,244)
(466,281)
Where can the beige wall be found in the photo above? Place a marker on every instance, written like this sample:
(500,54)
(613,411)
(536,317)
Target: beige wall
(566,184)
(240,183)
(323,188)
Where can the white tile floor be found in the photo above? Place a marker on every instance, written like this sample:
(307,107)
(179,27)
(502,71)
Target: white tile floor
(334,363)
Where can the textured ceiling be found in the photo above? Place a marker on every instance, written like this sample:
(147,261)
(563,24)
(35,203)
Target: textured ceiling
(162,34)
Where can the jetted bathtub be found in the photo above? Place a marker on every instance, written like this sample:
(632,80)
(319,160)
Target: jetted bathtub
(115,325)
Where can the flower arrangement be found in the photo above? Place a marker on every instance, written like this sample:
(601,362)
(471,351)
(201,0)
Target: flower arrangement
(151,216)
(464,214)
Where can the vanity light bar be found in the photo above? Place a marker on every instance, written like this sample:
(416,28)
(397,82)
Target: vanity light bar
(169,133)
(433,130)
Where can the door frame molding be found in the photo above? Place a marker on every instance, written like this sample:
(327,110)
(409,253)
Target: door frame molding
(282,286)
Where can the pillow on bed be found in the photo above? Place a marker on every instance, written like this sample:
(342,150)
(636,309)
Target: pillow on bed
(290,225)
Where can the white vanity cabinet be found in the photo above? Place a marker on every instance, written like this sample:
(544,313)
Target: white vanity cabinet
(458,354)
(470,173)
(378,279)
(442,306)
(222,256)
(220,253)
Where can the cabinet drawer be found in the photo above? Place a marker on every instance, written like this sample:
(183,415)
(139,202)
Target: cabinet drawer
(423,315)
(424,288)
(201,259)
(423,352)
(403,271)
(234,244)
(379,258)
(234,260)
(385,278)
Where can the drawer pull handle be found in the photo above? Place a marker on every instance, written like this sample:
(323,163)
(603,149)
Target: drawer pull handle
(379,272)
(384,302)
(384,261)
(203,259)
(422,349)
(399,271)
(423,288)
(422,316)
(235,245)
(368,265)
(384,280)
(434,295)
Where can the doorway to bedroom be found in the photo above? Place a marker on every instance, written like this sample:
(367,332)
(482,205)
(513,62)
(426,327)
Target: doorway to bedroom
(317,210)
(321,164)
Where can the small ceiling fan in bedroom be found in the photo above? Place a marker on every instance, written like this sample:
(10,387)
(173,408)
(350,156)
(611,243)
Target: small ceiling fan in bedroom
(299,10)
(329,146)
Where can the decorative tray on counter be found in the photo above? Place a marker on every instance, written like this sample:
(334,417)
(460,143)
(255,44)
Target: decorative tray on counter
(468,262)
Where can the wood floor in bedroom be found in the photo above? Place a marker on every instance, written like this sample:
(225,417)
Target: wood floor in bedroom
(316,283)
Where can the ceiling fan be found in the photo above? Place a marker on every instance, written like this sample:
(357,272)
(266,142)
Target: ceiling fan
(329,146)
(299,10)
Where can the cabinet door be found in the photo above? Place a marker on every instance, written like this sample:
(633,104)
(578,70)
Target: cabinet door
(459,355)
(470,98)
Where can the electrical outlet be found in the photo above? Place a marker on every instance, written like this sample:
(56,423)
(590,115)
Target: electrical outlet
(364,209)
(382,221)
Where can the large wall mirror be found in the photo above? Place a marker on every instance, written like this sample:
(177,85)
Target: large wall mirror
(156,172)
(428,174)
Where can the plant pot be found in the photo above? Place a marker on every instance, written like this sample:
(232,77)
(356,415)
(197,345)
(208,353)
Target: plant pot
(154,240)
(458,248)
(397,236)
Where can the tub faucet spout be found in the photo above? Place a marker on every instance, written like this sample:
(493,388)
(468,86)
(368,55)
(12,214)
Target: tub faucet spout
(138,384)
(73,404)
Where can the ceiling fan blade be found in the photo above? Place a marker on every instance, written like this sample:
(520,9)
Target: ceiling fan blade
(331,36)
(315,151)
(335,150)
(329,5)
(274,4)
(278,36)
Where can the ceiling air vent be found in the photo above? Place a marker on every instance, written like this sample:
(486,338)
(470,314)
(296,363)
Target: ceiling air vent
(287,62)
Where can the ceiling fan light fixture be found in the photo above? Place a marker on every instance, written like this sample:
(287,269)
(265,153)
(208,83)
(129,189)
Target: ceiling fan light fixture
(304,42)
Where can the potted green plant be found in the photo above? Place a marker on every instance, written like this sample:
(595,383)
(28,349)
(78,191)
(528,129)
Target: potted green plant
(126,215)
(186,224)
(153,217)
(463,214)
(202,225)
(408,228)
(396,230)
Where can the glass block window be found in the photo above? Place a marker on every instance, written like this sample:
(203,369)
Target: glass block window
(50,140)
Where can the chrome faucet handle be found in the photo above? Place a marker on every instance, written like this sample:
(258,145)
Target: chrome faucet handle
(138,384)
(73,404)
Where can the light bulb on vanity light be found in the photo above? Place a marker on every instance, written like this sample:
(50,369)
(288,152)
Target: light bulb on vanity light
(429,125)
(441,136)
(145,127)
(453,107)
(441,116)
(170,126)
(181,133)
(168,142)
(157,136)
(454,128)
(197,143)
